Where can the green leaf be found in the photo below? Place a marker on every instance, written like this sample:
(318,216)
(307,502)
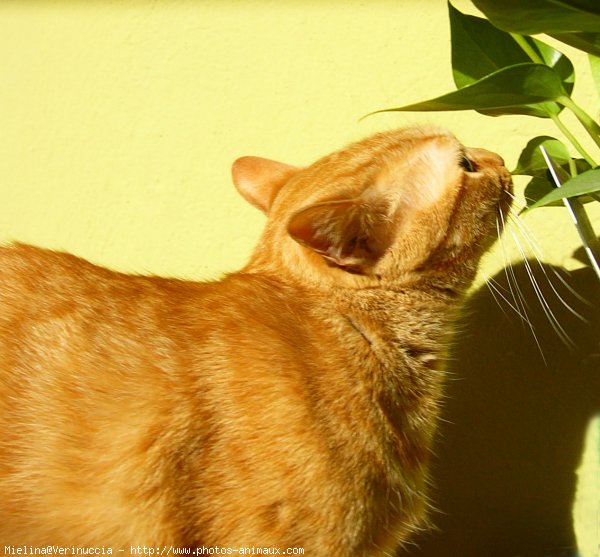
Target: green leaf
(532,163)
(537,188)
(540,186)
(530,17)
(479,49)
(588,42)
(512,90)
(586,183)
(556,60)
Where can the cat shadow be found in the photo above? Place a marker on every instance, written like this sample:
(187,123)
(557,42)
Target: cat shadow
(504,473)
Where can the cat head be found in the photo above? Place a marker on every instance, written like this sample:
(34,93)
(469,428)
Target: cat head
(399,207)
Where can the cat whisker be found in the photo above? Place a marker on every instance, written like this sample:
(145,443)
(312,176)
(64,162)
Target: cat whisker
(508,268)
(529,250)
(512,281)
(516,201)
(573,291)
(495,290)
(558,328)
(536,250)
(516,292)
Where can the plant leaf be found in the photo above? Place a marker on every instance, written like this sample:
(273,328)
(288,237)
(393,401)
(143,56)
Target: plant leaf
(542,16)
(479,49)
(537,188)
(586,183)
(532,163)
(511,90)
(540,186)
(556,60)
(588,42)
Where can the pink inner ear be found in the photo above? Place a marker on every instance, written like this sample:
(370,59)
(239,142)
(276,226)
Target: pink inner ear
(259,180)
(347,232)
(320,227)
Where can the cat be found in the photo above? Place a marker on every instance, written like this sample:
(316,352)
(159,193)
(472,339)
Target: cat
(289,405)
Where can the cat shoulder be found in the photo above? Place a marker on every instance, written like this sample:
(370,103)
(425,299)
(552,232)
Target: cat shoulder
(18,257)
(29,271)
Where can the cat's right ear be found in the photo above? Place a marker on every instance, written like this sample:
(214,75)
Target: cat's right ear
(349,233)
(259,180)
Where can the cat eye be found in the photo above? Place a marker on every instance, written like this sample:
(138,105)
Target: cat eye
(466,163)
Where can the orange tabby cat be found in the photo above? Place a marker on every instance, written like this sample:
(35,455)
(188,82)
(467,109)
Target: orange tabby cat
(289,405)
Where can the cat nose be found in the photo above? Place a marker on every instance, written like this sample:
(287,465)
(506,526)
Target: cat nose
(483,155)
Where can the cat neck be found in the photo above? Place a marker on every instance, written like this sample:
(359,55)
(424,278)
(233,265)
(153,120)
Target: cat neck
(363,299)
(291,263)
(339,283)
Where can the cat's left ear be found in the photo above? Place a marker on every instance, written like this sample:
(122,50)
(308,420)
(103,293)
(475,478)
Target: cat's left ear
(259,180)
(352,234)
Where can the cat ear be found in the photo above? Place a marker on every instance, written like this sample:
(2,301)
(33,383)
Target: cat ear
(259,180)
(349,233)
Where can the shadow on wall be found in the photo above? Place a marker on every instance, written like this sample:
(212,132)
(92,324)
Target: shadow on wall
(504,472)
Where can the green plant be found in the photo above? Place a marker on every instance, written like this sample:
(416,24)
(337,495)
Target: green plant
(499,68)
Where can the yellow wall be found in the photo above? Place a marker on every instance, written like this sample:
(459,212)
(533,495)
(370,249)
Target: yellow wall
(119,119)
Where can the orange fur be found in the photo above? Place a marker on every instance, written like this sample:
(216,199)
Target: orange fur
(291,404)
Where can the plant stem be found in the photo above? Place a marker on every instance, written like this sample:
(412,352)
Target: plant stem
(581,220)
(572,168)
(567,133)
(573,205)
(586,120)
(527,48)
(586,232)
